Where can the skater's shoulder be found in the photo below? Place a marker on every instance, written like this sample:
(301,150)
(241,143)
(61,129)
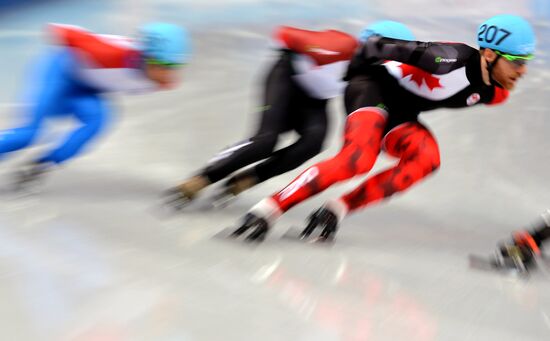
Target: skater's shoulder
(101,50)
(305,36)
(325,47)
(76,36)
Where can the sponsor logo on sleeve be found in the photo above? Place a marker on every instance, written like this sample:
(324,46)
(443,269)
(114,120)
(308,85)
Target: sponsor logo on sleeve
(439,60)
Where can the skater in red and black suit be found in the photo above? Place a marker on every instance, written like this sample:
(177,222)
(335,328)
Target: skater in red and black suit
(307,74)
(390,83)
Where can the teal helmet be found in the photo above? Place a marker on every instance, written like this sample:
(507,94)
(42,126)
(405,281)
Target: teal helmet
(164,44)
(388,29)
(509,34)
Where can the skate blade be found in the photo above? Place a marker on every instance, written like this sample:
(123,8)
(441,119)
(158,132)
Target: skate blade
(543,260)
(163,211)
(226,235)
(222,201)
(487,263)
(174,202)
(294,234)
(26,189)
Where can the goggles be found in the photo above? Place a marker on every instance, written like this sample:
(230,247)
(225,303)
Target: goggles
(168,65)
(515,59)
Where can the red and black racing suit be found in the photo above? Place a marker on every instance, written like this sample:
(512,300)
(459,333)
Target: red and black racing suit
(390,83)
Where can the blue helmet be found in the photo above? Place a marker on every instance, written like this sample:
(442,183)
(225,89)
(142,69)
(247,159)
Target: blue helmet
(388,29)
(165,43)
(507,33)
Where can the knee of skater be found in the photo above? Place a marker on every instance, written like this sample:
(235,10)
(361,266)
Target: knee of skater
(433,163)
(363,163)
(312,146)
(427,166)
(350,161)
(315,148)
(316,137)
(266,140)
(436,164)
(427,158)
(347,168)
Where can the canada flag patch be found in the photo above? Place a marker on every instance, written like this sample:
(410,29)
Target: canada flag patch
(435,87)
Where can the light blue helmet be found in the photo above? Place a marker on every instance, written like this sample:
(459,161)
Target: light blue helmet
(388,29)
(165,43)
(507,33)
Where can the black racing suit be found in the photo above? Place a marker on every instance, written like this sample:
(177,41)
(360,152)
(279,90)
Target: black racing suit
(308,72)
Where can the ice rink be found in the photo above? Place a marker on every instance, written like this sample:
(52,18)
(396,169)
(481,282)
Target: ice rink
(92,258)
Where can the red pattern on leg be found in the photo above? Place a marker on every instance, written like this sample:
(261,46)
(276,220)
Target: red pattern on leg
(362,141)
(419,156)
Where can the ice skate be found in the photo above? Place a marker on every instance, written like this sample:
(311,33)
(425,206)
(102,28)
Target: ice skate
(326,221)
(30,176)
(518,255)
(232,188)
(257,226)
(182,195)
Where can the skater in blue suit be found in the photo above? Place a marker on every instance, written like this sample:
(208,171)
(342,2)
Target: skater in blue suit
(72,78)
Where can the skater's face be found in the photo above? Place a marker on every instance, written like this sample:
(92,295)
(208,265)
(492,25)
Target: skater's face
(165,76)
(508,69)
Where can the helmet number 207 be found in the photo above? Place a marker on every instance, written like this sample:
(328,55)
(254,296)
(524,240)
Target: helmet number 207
(489,34)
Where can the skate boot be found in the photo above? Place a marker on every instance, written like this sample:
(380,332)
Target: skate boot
(30,176)
(519,253)
(182,195)
(324,218)
(233,187)
(258,226)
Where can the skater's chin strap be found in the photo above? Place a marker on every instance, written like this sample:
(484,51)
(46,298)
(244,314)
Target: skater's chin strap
(490,67)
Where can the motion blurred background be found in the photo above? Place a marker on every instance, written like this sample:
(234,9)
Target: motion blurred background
(90,257)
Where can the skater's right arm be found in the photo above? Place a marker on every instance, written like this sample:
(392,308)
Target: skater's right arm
(79,37)
(62,34)
(324,47)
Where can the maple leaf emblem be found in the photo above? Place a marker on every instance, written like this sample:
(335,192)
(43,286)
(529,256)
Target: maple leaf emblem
(420,76)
